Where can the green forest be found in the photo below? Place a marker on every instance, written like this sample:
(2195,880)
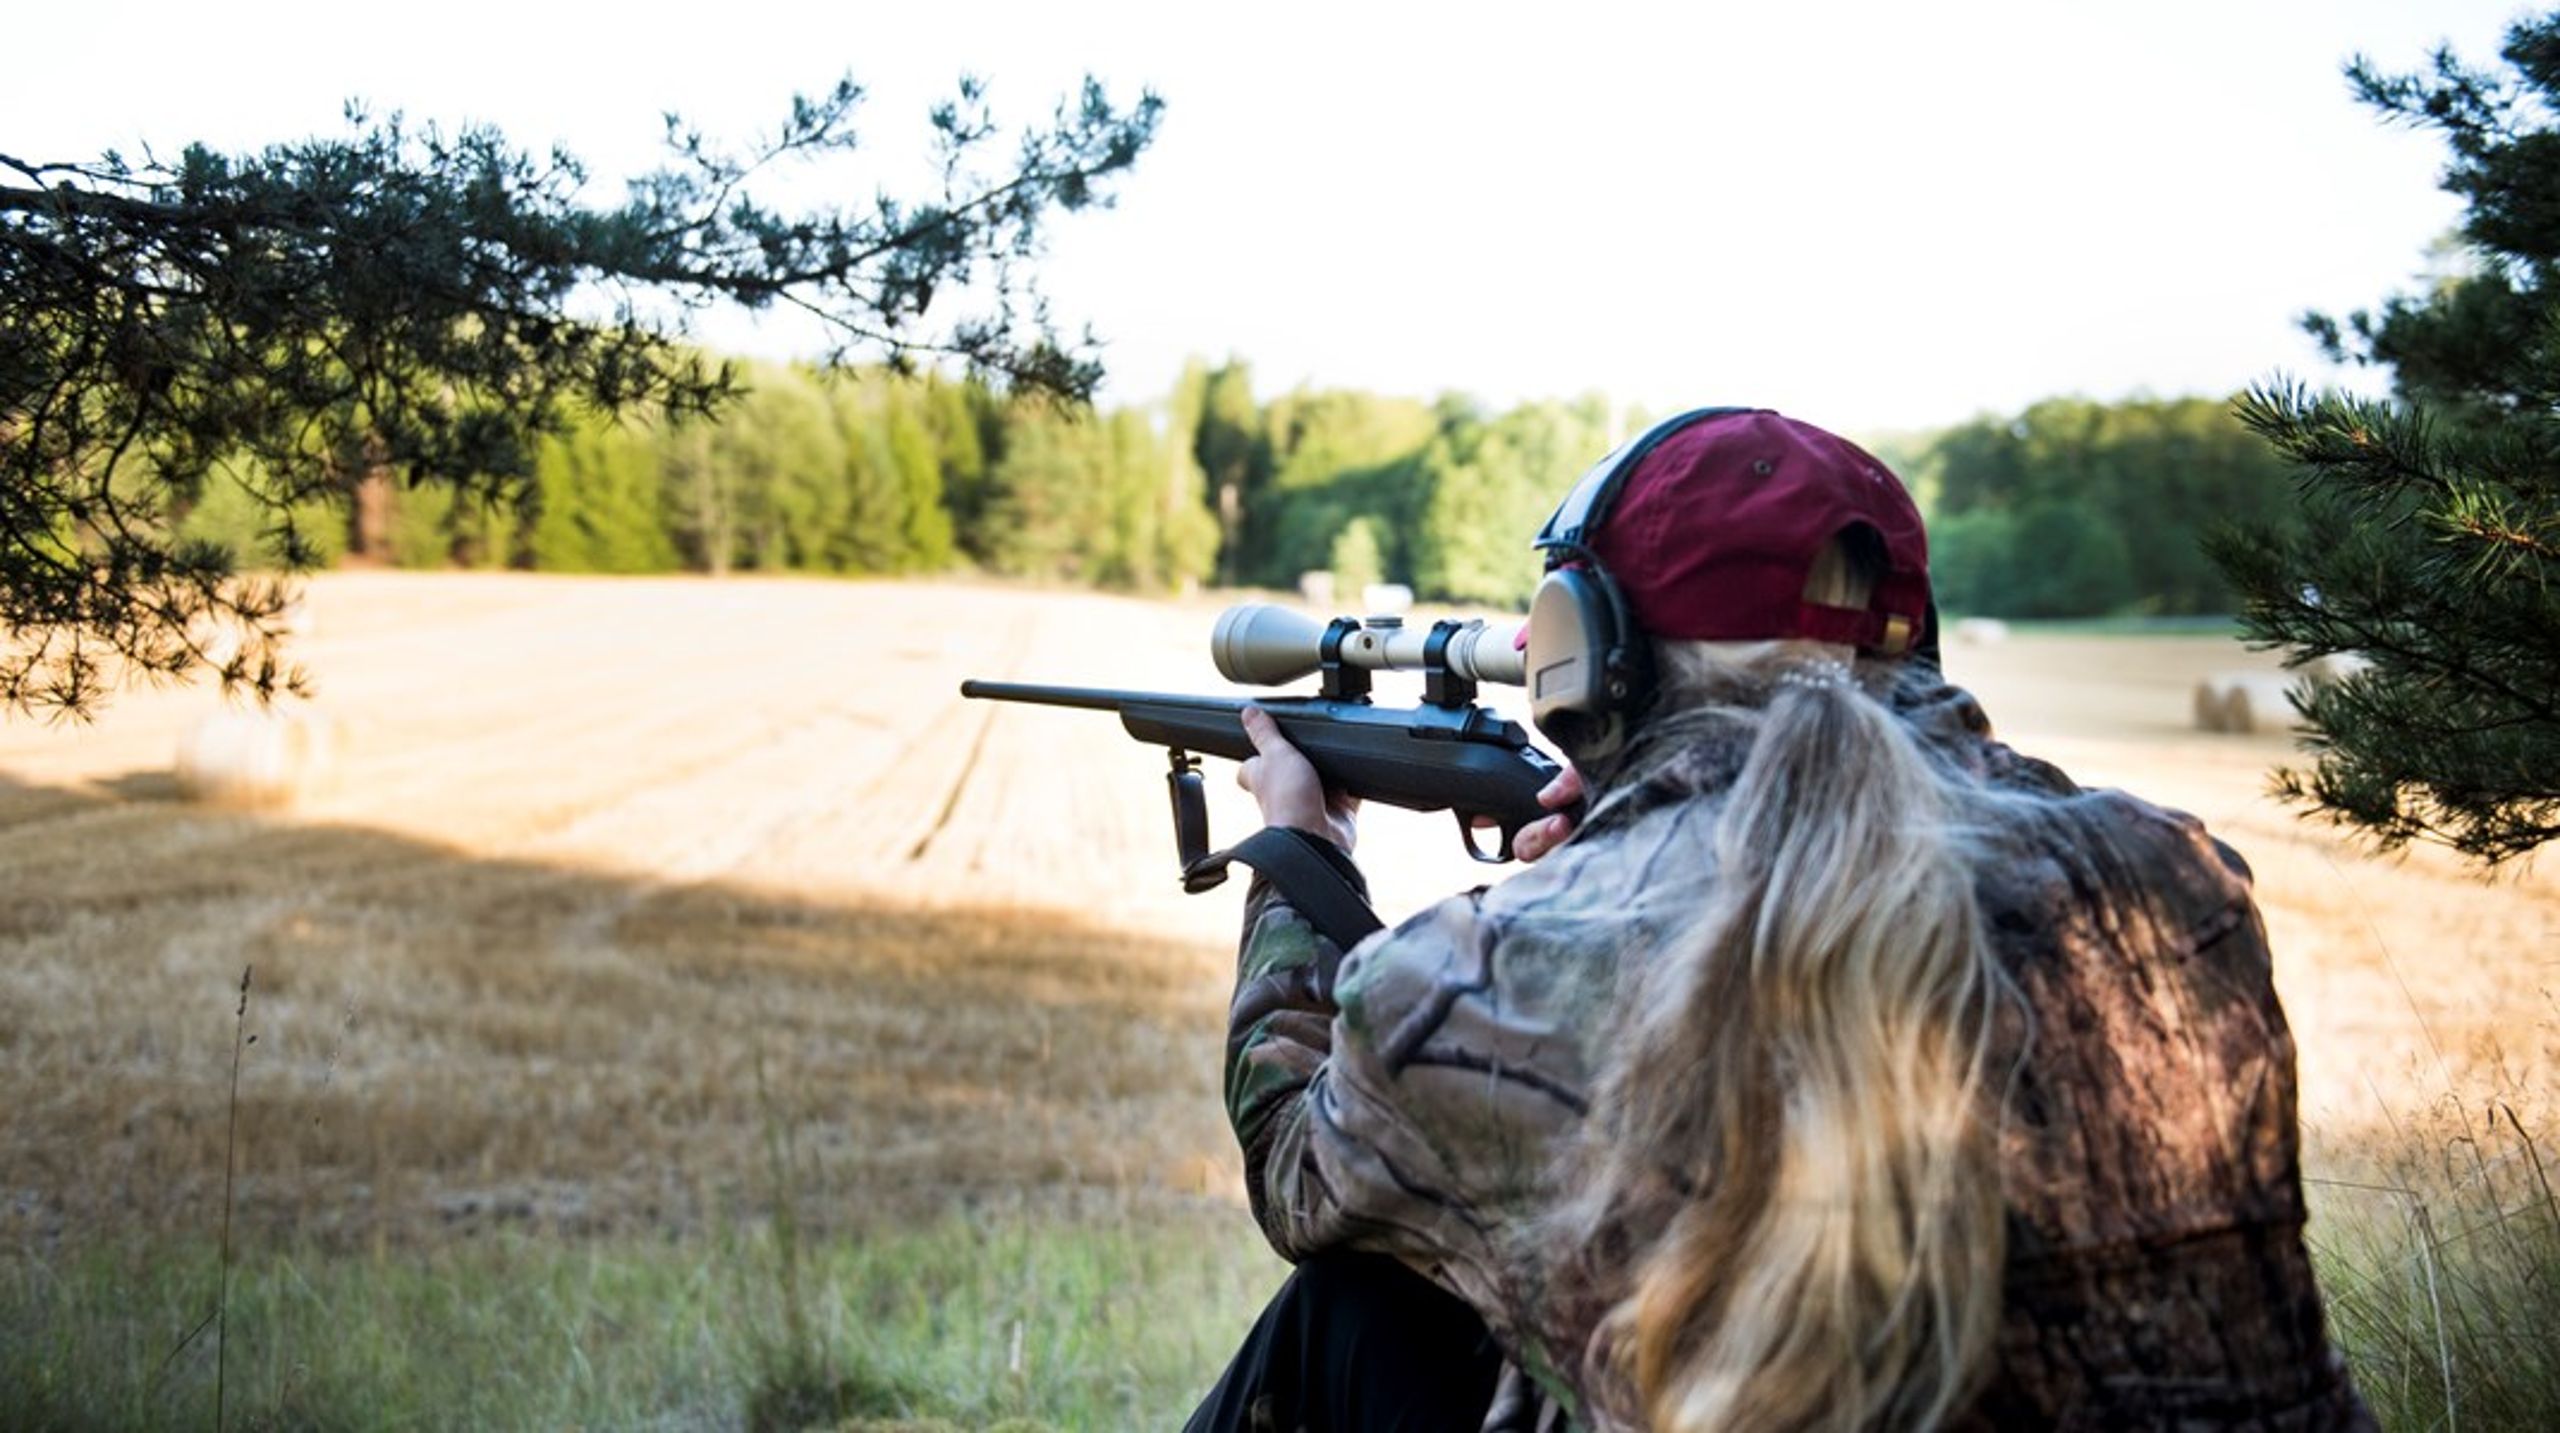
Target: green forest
(2071,508)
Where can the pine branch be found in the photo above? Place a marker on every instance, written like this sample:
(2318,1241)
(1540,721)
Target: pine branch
(403,302)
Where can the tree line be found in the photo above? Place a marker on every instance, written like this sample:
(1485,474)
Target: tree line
(2070,508)
(2074,508)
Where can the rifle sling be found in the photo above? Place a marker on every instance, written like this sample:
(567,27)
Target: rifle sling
(1312,874)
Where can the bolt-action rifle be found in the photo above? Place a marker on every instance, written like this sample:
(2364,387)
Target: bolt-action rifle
(1448,754)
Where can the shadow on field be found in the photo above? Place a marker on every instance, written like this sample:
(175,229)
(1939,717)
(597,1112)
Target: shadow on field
(145,786)
(437,1045)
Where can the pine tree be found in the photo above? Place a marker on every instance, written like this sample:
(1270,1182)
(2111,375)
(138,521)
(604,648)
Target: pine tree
(2431,522)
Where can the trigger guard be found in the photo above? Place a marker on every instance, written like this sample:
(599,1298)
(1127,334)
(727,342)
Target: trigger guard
(1500,855)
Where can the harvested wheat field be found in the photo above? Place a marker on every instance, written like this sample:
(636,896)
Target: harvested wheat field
(660,909)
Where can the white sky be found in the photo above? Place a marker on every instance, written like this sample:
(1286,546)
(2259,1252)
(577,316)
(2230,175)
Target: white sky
(1871,215)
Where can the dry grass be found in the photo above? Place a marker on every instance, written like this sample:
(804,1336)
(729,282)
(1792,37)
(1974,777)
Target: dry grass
(600,847)
(2440,1261)
(446,1041)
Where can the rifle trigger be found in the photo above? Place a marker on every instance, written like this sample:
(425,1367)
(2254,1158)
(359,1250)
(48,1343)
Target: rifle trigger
(1500,854)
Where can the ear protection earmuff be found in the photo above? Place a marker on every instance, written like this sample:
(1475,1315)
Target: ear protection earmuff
(1590,668)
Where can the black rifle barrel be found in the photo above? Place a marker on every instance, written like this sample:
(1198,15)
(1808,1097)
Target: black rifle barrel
(1100,699)
(1427,758)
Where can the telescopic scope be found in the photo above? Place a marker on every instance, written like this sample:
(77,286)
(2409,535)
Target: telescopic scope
(1262,644)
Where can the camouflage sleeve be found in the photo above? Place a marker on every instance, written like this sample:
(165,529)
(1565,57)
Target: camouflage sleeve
(1279,1025)
(1371,1088)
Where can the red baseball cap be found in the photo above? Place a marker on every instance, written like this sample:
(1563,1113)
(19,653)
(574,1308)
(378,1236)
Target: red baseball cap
(1709,524)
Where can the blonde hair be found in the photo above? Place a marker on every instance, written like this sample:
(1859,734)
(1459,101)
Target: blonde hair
(1799,1074)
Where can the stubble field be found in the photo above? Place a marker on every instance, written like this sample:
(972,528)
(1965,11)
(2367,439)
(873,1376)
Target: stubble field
(683,1008)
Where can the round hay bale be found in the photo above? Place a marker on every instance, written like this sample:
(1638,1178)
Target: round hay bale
(1981,632)
(258,759)
(2260,702)
(2208,705)
(2239,713)
(1315,588)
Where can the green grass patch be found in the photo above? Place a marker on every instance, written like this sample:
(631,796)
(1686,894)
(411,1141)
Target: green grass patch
(970,1324)
(2441,1275)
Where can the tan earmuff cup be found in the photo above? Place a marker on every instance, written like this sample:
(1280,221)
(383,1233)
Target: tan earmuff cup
(1567,670)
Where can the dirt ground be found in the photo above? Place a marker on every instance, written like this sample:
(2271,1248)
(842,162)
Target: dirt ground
(622,880)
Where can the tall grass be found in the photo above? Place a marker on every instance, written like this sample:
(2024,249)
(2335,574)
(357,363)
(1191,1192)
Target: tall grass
(2440,1262)
(1068,1323)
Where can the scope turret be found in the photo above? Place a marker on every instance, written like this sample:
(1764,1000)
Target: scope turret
(1262,644)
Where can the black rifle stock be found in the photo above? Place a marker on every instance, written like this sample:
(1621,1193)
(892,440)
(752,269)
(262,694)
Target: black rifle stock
(1456,757)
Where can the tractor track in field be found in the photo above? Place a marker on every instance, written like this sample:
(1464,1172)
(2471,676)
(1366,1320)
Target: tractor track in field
(1012,665)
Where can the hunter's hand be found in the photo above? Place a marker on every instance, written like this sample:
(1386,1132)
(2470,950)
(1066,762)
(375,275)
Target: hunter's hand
(1285,782)
(1548,832)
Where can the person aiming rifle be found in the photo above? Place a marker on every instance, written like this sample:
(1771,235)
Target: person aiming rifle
(1836,1067)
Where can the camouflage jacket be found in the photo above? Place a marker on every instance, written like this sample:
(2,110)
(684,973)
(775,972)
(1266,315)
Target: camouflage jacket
(1419,1095)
